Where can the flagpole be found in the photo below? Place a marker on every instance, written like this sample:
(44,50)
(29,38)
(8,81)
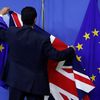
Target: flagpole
(42,14)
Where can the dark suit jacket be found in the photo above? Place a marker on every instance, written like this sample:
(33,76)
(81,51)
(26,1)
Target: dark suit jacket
(29,51)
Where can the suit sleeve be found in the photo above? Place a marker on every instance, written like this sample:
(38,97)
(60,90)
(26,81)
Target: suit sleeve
(3,28)
(54,54)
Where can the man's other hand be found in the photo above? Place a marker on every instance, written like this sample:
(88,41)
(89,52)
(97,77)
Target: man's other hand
(4,10)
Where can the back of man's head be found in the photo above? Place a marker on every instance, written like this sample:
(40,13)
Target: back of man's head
(28,15)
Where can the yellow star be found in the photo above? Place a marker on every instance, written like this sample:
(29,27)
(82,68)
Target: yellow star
(93,77)
(95,32)
(78,58)
(79,46)
(1,47)
(98,69)
(86,36)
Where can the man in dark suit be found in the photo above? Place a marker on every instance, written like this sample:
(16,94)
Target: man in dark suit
(28,55)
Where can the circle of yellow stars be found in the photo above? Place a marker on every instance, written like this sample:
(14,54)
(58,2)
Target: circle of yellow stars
(80,47)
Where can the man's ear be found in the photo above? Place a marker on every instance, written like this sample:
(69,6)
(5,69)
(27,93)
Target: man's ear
(35,20)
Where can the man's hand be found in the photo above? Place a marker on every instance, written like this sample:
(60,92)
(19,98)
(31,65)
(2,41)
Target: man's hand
(71,55)
(4,10)
(73,47)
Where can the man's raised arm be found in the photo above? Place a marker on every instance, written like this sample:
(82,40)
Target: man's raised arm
(3,11)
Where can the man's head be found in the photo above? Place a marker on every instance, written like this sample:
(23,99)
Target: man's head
(28,15)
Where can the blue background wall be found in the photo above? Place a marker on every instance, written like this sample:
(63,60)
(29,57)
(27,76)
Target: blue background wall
(63,19)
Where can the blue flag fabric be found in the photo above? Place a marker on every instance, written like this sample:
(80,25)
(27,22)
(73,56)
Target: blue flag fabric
(88,46)
(3,51)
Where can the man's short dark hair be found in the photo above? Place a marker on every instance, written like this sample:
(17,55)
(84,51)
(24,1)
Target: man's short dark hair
(28,15)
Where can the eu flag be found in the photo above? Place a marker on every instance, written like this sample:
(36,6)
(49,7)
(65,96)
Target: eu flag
(88,46)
